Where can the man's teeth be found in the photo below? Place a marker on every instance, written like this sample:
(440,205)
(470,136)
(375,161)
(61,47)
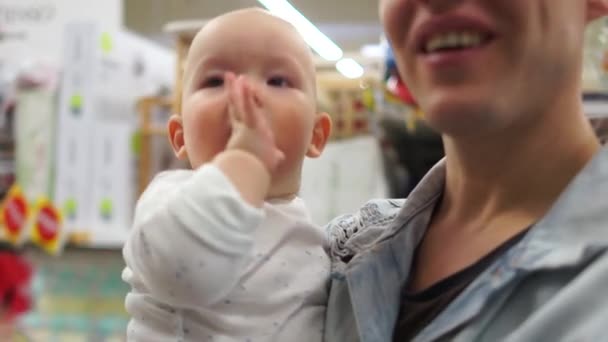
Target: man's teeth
(453,40)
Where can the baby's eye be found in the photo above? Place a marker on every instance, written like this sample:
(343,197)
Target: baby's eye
(278,81)
(213,82)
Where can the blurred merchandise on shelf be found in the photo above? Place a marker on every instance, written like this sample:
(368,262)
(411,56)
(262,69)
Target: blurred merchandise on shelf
(35,120)
(35,127)
(409,147)
(7,139)
(595,68)
(14,290)
(344,100)
(14,283)
(15,214)
(78,297)
(46,228)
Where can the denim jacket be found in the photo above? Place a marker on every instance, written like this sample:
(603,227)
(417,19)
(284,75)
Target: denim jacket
(550,286)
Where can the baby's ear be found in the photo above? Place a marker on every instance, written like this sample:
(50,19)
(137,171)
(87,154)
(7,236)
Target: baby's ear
(596,9)
(176,136)
(320,134)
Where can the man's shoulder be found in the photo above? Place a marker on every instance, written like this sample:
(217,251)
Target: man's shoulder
(351,233)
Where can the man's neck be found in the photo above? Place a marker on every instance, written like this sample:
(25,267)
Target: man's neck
(517,176)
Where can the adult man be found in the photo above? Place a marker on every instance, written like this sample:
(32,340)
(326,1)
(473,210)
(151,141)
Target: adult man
(507,238)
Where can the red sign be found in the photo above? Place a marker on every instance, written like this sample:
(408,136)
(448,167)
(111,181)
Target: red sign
(47,224)
(15,214)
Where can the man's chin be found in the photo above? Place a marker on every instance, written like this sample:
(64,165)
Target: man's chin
(459,118)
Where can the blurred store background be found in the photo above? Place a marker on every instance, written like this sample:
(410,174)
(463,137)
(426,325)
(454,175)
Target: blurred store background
(85,90)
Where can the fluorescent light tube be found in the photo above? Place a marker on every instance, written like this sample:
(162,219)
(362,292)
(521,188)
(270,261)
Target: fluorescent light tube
(349,68)
(319,42)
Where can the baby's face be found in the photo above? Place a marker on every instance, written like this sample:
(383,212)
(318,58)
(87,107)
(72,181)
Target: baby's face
(274,60)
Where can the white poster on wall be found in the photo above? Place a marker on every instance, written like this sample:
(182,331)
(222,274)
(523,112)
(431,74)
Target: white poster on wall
(104,75)
(347,175)
(33,30)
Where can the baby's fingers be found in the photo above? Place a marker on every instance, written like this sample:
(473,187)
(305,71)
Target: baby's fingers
(250,111)
(264,117)
(239,98)
(233,111)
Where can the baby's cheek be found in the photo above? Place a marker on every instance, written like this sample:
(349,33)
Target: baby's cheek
(204,144)
(293,137)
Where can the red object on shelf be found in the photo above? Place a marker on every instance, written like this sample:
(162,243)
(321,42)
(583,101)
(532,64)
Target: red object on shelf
(399,89)
(340,124)
(15,275)
(358,106)
(404,93)
(47,224)
(15,214)
(360,125)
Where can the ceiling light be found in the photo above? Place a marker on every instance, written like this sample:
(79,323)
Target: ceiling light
(319,42)
(349,68)
(373,51)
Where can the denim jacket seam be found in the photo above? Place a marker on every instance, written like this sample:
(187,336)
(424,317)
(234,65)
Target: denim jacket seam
(390,237)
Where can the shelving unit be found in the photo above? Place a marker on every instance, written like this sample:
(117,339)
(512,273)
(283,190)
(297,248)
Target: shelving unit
(149,129)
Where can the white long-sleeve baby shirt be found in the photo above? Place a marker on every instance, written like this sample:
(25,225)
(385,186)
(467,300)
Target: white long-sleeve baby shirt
(204,265)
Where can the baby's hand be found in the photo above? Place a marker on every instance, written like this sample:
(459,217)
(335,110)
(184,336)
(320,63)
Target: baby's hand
(251,131)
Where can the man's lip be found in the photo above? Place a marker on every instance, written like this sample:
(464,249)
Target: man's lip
(448,23)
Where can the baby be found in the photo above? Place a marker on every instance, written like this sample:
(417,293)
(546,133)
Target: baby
(227,251)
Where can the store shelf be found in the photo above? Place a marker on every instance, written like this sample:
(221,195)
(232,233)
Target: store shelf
(99,241)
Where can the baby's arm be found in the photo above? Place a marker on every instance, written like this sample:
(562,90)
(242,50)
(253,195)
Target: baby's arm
(192,231)
(191,237)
